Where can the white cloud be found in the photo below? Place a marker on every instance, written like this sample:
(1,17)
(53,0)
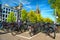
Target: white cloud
(24,2)
(42,5)
(28,6)
(6,5)
(47,10)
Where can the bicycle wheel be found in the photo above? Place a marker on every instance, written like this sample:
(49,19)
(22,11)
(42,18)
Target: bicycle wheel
(13,32)
(51,30)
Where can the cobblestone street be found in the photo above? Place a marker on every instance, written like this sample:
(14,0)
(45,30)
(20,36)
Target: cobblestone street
(26,36)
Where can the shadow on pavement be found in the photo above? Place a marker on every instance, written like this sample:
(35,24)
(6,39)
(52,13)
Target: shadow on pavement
(50,36)
(2,33)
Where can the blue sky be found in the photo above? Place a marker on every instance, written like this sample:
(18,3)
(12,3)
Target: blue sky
(44,7)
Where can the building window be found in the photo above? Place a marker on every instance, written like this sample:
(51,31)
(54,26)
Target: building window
(15,14)
(3,18)
(3,8)
(9,9)
(6,15)
(3,11)
(3,15)
(0,14)
(6,11)
(6,8)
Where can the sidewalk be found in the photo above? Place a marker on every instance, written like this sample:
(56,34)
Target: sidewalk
(39,36)
(26,36)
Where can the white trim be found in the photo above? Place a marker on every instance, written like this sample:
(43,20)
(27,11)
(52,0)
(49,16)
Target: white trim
(27,37)
(22,36)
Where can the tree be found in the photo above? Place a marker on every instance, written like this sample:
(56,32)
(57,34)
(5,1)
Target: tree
(11,17)
(48,20)
(58,20)
(32,17)
(55,4)
(39,17)
(23,15)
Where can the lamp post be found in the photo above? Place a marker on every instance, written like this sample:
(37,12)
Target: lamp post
(55,23)
(56,16)
(19,8)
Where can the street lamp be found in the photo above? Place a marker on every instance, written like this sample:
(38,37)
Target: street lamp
(19,8)
(55,23)
(56,16)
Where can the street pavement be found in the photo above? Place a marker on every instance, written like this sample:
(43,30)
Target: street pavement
(26,36)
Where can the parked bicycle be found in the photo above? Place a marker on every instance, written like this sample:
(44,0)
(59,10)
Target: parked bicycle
(5,27)
(16,29)
(51,28)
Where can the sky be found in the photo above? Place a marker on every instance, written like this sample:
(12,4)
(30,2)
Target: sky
(44,6)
